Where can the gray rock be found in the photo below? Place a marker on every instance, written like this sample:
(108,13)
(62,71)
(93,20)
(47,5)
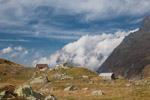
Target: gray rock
(70,88)
(27,91)
(50,97)
(34,74)
(85,89)
(2,94)
(128,85)
(41,79)
(76,88)
(57,76)
(61,76)
(99,92)
(91,82)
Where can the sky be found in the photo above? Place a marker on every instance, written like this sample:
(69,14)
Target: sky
(31,30)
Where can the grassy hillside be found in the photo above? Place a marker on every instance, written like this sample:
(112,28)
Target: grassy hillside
(14,74)
(120,89)
(11,71)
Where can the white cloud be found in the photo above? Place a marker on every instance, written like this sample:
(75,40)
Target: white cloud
(7,50)
(18,48)
(14,40)
(88,51)
(24,53)
(100,9)
(12,52)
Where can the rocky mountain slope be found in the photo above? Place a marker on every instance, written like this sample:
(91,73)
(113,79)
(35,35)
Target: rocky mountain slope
(131,59)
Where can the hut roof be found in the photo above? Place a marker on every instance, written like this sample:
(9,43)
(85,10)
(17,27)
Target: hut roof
(42,65)
(105,74)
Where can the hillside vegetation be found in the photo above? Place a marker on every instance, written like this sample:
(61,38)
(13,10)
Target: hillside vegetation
(13,72)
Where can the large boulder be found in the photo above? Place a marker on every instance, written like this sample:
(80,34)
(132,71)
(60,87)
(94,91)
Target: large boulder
(27,91)
(39,80)
(70,88)
(50,97)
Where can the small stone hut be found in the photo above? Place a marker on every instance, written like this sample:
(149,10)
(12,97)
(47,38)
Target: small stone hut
(107,76)
(42,66)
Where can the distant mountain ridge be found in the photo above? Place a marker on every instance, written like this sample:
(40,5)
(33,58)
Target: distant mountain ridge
(132,57)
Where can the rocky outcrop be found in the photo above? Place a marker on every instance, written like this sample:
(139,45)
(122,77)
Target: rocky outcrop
(39,80)
(61,76)
(27,91)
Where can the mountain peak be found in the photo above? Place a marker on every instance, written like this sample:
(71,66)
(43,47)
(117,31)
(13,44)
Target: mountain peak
(132,57)
(145,25)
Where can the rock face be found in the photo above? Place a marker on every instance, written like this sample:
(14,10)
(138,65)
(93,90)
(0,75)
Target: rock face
(38,80)
(26,91)
(132,56)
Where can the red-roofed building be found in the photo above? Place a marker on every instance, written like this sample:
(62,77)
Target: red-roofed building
(42,66)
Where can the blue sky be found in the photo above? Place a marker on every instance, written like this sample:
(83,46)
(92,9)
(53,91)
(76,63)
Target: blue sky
(31,29)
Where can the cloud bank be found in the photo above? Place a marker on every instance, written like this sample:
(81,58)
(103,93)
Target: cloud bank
(88,51)
(14,52)
(89,9)
(53,19)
